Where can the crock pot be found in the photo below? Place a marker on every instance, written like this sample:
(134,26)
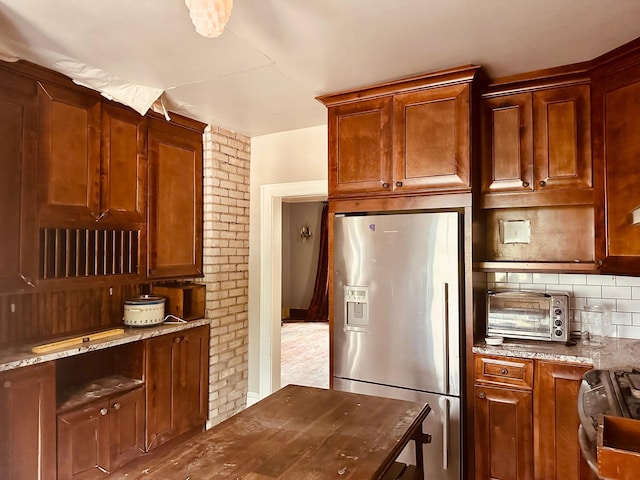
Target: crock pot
(144,311)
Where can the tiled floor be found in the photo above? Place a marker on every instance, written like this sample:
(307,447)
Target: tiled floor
(305,354)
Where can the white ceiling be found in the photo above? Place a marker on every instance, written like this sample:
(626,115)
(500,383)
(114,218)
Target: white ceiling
(262,74)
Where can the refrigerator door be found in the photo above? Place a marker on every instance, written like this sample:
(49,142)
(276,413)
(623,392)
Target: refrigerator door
(396,300)
(442,455)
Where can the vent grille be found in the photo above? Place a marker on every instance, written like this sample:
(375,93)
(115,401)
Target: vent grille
(70,253)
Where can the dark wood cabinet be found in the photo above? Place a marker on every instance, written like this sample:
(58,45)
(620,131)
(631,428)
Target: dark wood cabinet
(69,155)
(526,419)
(616,105)
(411,136)
(177,368)
(175,201)
(18,131)
(503,433)
(537,141)
(101,436)
(555,409)
(28,423)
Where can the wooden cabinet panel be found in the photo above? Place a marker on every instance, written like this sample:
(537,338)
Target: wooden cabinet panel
(124,166)
(360,146)
(175,201)
(557,450)
(432,139)
(27,423)
(69,168)
(503,434)
(507,154)
(562,138)
(126,427)
(18,147)
(177,369)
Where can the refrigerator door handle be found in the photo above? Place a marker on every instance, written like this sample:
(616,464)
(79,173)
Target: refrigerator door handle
(445,435)
(445,301)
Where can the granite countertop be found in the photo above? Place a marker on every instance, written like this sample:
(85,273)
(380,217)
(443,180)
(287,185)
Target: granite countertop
(616,352)
(21,356)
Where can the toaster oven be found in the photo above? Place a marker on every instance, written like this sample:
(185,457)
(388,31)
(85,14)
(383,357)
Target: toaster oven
(528,315)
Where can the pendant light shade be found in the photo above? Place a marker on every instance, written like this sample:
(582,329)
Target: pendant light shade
(209,16)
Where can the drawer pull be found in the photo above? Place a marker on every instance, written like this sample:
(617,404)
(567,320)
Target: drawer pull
(116,406)
(103,411)
(504,371)
(525,184)
(385,185)
(398,184)
(482,395)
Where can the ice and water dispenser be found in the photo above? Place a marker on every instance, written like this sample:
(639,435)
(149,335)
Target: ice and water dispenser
(356,306)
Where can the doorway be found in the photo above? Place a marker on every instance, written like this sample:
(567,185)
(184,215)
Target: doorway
(271,198)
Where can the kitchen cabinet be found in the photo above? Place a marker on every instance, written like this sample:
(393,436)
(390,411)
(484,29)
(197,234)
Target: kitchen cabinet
(616,105)
(28,423)
(18,130)
(175,200)
(537,141)
(96,438)
(176,384)
(405,137)
(526,419)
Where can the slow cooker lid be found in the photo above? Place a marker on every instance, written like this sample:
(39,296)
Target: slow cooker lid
(145,300)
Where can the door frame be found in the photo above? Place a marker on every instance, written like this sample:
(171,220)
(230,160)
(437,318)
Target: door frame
(271,197)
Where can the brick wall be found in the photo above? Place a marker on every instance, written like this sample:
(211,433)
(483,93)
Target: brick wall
(226,267)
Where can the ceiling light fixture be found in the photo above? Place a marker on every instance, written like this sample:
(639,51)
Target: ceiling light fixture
(209,16)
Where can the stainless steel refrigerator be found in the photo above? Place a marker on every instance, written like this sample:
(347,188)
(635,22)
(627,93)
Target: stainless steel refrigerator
(397,323)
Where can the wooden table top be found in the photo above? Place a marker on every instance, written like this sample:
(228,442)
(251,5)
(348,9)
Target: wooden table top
(296,433)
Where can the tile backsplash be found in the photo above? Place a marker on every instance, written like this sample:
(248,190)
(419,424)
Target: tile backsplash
(620,294)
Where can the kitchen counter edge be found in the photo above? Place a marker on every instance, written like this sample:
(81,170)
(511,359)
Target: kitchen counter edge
(22,356)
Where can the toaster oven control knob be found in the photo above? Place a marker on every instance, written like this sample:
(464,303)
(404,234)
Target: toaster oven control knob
(557,311)
(558,333)
(558,322)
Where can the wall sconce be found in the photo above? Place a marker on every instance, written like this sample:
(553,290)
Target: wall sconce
(305,233)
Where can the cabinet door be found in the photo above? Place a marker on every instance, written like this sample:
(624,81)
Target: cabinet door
(562,138)
(503,434)
(18,147)
(617,146)
(162,409)
(194,378)
(83,442)
(507,150)
(69,167)
(556,427)
(432,139)
(28,423)
(124,166)
(175,201)
(360,147)
(126,427)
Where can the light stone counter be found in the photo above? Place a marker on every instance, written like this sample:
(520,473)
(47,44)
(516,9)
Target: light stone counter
(617,352)
(16,357)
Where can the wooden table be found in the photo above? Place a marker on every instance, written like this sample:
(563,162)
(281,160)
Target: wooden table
(296,433)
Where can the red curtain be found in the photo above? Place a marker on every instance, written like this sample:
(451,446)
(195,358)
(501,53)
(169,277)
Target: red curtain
(318,310)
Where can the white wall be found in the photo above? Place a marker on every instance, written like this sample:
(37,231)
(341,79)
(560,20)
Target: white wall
(293,156)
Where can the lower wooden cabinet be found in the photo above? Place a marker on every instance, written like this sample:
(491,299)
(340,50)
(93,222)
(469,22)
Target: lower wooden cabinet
(28,423)
(527,428)
(177,367)
(97,438)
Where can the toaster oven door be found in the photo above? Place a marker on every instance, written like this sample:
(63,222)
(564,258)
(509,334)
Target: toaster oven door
(520,314)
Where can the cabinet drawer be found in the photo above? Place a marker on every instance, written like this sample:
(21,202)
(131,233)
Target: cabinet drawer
(513,372)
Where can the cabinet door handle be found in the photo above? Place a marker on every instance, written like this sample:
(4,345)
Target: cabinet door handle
(525,184)
(398,184)
(542,183)
(504,371)
(482,395)
(177,339)
(116,406)
(385,185)
(7,384)
(103,411)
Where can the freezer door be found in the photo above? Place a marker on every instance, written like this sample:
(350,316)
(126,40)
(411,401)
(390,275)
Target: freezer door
(442,455)
(396,300)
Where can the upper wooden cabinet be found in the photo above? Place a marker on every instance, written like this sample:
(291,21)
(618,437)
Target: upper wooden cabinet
(18,148)
(175,200)
(537,141)
(616,106)
(409,136)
